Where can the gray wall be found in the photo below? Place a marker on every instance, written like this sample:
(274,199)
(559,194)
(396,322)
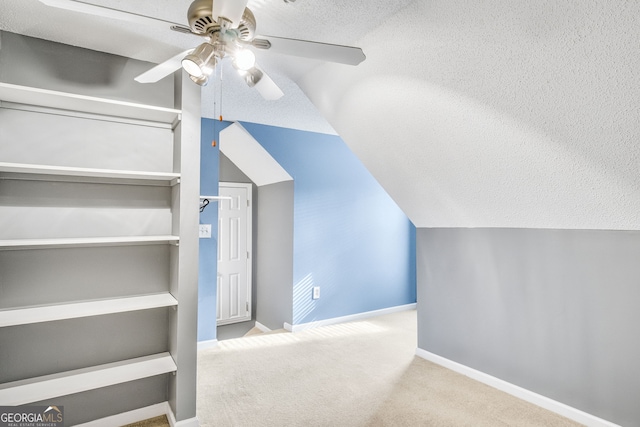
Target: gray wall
(127,397)
(229,172)
(56,66)
(274,255)
(553,311)
(66,345)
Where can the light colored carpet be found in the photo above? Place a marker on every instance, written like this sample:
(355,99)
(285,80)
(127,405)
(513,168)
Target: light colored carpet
(353,374)
(253,331)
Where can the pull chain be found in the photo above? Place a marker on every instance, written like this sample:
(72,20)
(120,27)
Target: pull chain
(217,70)
(220,66)
(215,133)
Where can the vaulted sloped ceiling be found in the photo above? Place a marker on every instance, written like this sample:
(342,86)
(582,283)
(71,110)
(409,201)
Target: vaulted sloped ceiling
(471,114)
(497,114)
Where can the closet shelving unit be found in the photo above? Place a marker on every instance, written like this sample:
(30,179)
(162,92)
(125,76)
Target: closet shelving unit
(36,97)
(75,174)
(55,384)
(77,381)
(74,310)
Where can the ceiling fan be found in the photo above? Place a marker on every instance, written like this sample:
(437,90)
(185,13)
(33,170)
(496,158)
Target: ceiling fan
(229,30)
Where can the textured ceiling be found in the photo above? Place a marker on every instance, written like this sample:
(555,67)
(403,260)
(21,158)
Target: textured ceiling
(498,114)
(470,114)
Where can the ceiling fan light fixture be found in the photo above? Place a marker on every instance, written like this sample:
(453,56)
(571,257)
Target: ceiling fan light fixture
(201,62)
(201,81)
(251,76)
(191,66)
(244,59)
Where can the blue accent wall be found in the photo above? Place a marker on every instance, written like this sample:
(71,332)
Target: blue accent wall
(350,238)
(208,258)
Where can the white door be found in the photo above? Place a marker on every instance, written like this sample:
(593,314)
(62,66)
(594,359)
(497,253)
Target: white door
(234,253)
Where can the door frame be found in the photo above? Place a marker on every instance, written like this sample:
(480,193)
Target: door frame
(249,243)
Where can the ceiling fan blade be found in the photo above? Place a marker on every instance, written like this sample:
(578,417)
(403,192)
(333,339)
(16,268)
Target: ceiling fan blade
(163,69)
(107,12)
(323,51)
(184,30)
(232,10)
(267,87)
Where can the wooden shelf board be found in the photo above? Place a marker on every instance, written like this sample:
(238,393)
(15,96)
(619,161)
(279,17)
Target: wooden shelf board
(18,169)
(77,381)
(49,313)
(86,104)
(16,244)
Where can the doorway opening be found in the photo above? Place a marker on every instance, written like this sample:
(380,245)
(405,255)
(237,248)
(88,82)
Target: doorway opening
(235,249)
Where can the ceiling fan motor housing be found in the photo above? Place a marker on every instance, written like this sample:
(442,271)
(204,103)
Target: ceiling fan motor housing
(200,17)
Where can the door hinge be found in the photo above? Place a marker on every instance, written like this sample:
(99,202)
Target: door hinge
(248,203)
(247,304)
(248,255)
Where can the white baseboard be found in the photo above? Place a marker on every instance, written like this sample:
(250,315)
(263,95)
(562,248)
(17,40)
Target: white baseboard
(191,422)
(131,416)
(262,327)
(349,318)
(519,392)
(202,345)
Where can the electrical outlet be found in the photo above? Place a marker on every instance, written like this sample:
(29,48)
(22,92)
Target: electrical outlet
(205,231)
(316,292)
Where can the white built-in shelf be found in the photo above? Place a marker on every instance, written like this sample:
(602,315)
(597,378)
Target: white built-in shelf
(83,242)
(86,104)
(51,386)
(50,313)
(75,174)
